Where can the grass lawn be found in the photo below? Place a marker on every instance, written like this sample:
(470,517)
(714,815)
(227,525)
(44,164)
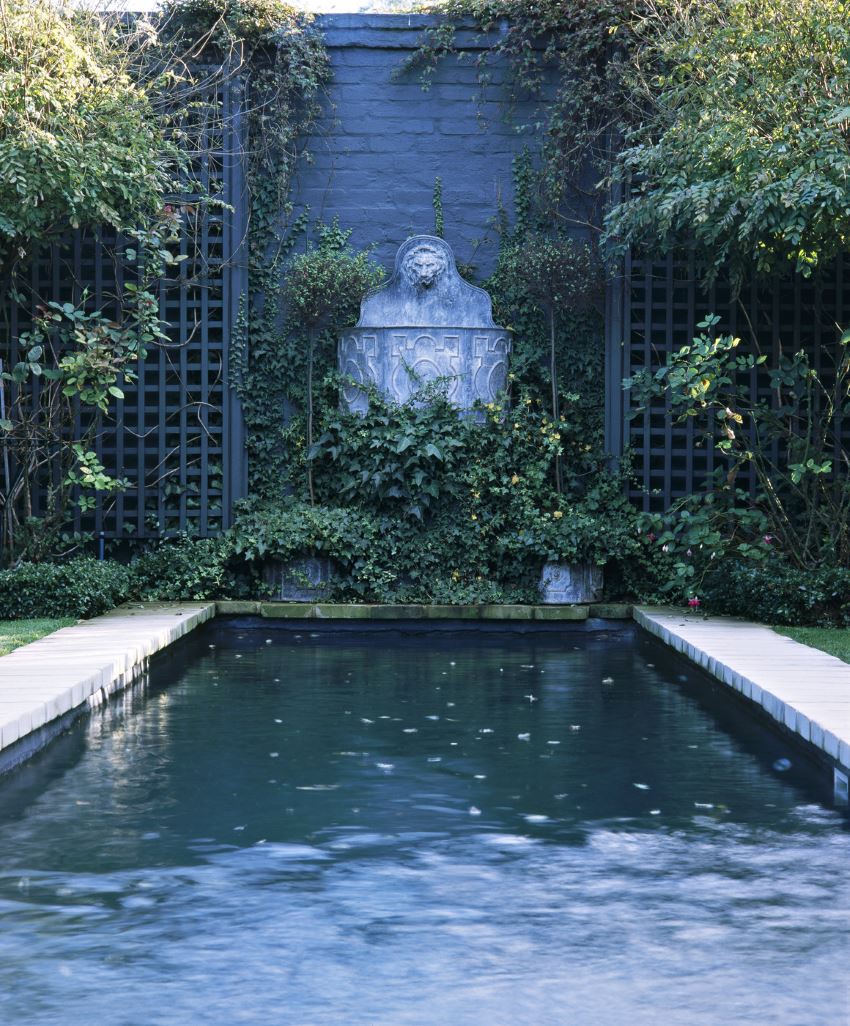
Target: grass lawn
(20,632)
(835,640)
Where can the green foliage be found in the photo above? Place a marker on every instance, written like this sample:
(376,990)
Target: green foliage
(774,592)
(396,459)
(558,275)
(324,285)
(439,220)
(82,587)
(101,120)
(228,23)
(292,529)
(423,505)
(187,568)
(289,362)
(79,358)
(83,140)
(283,66)
(779,421)
(533,264)
(743,140)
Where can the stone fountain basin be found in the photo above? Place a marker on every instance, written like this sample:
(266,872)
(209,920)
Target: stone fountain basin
(400,360)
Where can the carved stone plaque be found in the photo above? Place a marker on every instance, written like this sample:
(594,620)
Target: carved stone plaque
(426,322)
(565,583)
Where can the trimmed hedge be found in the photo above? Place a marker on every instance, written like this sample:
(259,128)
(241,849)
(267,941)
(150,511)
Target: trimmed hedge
(184,568)
(80,588)
(83,587)
(776,593)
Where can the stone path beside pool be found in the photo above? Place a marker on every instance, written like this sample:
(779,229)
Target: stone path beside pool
(802,688)
(46,683)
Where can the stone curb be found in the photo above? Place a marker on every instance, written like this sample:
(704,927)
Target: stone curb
(76,668)
(803,689)
(356,611)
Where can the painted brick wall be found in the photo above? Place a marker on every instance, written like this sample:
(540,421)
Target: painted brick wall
(383,141)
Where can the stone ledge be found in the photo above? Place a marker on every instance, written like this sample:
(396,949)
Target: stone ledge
(45,683)
(364,611)
(803,689)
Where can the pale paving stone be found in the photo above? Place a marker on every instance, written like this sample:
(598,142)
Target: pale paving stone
(802,688)
(79,665)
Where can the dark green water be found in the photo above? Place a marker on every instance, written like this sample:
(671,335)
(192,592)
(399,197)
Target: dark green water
(379,830)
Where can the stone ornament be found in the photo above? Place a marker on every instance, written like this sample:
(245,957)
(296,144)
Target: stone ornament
(425,323)
(566,583)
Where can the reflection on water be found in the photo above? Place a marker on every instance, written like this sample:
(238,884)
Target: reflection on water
(367,830)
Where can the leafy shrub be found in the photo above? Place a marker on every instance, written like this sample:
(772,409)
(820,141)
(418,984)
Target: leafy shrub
(778,419)
(226,22)
(777,593)
(187,568)
(82,587)
(445,508)
(287,530)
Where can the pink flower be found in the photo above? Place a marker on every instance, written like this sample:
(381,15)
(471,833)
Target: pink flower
(768,539)
(694,602)
(651,536)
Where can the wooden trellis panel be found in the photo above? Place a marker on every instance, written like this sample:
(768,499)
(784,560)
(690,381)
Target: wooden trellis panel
(653,309)
(177,435)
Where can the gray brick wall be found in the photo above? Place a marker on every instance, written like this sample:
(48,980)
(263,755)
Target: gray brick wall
(382,142)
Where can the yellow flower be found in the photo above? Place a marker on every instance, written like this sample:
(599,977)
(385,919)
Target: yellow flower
(557,514)
(515,479)
(516,426)
(473,517)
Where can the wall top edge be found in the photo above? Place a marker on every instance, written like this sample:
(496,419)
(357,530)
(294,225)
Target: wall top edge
(402,31)
(390,22)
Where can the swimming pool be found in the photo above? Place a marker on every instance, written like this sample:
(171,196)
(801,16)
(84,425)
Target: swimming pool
(377,828)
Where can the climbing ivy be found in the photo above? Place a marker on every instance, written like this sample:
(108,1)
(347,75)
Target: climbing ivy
(281,67)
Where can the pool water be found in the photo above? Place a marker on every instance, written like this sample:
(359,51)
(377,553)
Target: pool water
(309,828)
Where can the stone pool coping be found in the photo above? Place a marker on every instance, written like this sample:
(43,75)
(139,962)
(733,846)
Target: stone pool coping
(45,684)
(804,690)
(362,611)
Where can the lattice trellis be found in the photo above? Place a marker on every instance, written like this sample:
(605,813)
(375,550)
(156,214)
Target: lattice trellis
(653,309)
(177,434)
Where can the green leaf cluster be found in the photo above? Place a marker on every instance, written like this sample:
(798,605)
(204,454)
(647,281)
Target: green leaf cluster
(776,423)
(740,141)
(82,141)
